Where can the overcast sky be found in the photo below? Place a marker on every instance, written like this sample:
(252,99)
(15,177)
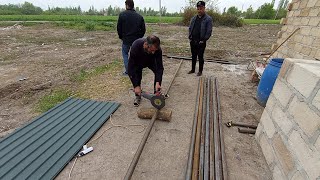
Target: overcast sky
(171,5)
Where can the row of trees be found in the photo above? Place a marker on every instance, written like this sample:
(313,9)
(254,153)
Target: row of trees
(29,9)
(266,11)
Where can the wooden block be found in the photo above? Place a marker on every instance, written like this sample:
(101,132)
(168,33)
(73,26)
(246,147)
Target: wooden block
(147,113)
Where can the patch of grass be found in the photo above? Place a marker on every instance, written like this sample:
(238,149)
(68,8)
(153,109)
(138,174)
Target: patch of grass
(9,57)
(85,74)
(90,26)
(261,21)
(86,26)
(40,40)
(49,101)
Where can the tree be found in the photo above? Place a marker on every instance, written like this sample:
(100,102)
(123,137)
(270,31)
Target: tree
(266,11)
(28,9)
(210,4)
(233,11)
(282,9)
(249,14)
(110,11)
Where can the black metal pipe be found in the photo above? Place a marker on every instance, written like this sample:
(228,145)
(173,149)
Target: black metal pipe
(193,135)
(217,150)
(206,167)
(241,124)
(223,155)
(246,130)
(212,150)
(196,155)
(220,61)
(137,155)
(203,130)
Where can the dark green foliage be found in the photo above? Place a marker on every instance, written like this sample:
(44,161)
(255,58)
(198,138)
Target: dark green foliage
(26,8)
(218,19)
(265,11)
(233,11)
(90,26)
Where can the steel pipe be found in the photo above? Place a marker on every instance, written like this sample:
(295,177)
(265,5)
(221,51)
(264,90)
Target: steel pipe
(223,155)
(246,130)
(196,156)
(137,155)
(193,135)
(206,167)
(217,150)
(203,130)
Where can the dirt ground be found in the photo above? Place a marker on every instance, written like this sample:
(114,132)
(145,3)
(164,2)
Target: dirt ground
(48,57)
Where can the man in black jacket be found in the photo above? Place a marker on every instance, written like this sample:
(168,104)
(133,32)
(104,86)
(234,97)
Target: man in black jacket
(145,52)
(200,30)
(130,27)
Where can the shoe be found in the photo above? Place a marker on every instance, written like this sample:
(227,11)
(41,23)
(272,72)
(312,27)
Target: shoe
(199,73)
(137,101)
(190,72)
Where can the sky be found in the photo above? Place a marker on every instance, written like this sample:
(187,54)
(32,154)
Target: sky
(171,5)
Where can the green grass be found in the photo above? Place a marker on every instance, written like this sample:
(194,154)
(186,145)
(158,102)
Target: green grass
(49,101)
(86,74)
(261,21)
(79,21)
(83,18)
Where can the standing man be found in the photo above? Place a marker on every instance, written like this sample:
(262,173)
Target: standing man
(200,30)
(145,52)
(130,27)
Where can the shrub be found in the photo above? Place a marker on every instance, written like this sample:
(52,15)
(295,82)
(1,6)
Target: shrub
(188,13)
(218,19)
(231,21)
(90,26)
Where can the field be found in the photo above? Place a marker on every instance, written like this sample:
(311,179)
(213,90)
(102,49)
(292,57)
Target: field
(83,18)
(43,64)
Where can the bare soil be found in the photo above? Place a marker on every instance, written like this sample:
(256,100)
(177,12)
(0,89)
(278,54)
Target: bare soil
(45,55)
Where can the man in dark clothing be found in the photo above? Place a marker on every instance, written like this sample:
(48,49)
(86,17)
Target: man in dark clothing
(145,52)
(130,27)
(200,30)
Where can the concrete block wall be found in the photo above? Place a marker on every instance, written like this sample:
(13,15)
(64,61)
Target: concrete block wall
(289,128)
(305,43)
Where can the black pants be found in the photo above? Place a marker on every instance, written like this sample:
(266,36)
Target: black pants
(197,50)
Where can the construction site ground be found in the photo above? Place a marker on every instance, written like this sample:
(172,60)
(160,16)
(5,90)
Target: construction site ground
(39,60)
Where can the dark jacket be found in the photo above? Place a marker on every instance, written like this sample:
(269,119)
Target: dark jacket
(130,26)
(206,27)
(139,59)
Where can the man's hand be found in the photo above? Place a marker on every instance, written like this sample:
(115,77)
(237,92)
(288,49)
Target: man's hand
(137,90)
(158,87)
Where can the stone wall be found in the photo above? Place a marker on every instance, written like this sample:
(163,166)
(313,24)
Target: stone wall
(305,43)
(289,129)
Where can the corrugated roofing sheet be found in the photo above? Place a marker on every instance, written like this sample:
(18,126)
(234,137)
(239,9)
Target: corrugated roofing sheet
(43,147)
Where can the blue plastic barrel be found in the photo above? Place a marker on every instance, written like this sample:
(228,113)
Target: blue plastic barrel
(267,80)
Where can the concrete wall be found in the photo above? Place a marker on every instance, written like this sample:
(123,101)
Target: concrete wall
(305,44)
(289,129)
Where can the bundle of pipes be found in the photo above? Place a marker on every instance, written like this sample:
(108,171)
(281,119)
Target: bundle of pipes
(206,155)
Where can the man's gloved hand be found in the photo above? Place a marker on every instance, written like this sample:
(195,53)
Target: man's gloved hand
(137,90)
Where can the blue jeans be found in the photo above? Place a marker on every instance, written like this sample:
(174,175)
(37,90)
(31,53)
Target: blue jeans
(125,52)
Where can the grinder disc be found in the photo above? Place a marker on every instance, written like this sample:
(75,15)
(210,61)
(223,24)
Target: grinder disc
(158,102)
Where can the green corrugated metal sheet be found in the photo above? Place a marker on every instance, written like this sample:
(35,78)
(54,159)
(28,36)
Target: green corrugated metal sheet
(43,147)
